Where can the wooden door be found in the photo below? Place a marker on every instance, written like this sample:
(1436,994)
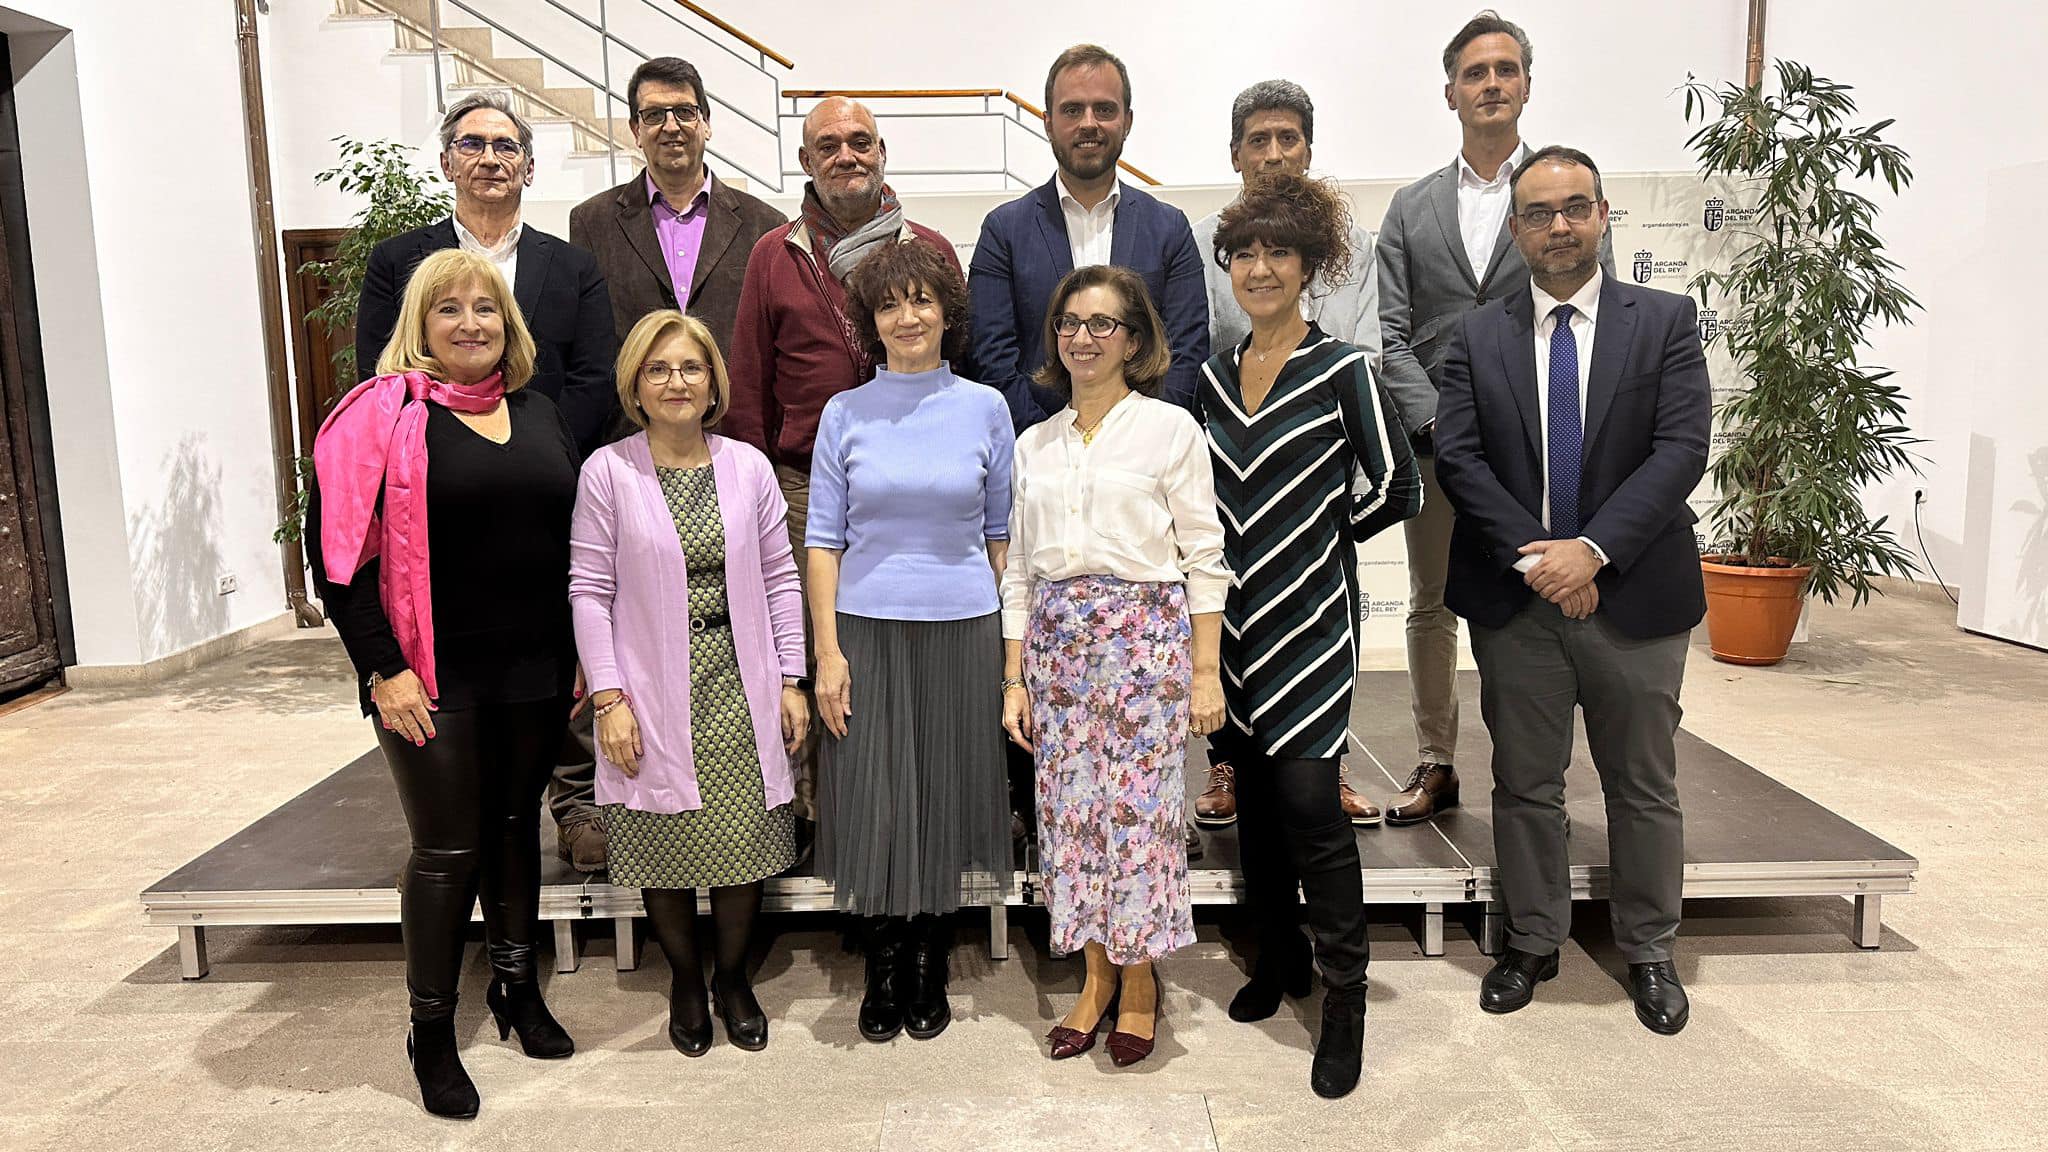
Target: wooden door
(28,631)
(317,386)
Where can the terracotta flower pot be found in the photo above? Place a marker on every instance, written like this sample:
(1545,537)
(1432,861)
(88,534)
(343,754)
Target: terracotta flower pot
(1752,612)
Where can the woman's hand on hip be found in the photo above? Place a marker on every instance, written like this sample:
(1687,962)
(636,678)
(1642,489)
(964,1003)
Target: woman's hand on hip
(403,706)
(1017,715)
(796,719)
(1208,703)
(835,693)
(618,735)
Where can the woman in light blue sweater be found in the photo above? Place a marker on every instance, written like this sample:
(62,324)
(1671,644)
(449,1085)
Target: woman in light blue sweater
(909,524)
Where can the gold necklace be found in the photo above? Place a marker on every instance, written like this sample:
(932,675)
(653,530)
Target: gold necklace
(1088,433)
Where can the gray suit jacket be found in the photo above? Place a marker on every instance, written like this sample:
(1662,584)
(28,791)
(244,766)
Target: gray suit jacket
(1426,283)
(617,226)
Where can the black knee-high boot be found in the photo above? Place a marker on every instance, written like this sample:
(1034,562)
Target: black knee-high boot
(881,1009)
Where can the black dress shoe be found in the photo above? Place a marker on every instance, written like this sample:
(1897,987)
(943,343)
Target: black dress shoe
(1340,1050)
(1512,983)
(1660,999)
(745,1024)
(1276,973)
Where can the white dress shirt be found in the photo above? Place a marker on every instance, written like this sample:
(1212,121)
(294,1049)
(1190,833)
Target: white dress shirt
(1585,316)
(1482,210)
(1138,504)
(505,255)
(1089,230)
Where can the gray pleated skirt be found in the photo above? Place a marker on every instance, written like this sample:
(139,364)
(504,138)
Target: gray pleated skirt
(913,805)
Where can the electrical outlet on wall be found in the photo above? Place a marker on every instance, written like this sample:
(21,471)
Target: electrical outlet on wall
(227,583)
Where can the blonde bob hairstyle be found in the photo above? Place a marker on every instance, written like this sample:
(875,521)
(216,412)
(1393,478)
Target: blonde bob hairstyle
(652,329)
(436,277)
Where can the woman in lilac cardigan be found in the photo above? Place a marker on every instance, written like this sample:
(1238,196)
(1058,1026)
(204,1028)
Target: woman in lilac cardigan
(689,624)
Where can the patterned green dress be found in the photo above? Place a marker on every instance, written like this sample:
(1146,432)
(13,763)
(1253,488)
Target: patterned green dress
(733,838)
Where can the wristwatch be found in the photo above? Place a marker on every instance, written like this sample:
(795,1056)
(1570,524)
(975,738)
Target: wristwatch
(800,683)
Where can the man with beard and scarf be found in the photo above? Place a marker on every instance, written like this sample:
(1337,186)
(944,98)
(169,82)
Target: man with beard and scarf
(1082,216)
(793,346)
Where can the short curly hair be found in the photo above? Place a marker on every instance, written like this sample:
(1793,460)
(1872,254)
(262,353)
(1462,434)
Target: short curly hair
(900,269)
(1288,211)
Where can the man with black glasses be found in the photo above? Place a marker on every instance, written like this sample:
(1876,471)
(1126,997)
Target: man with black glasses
(487,153)
(675,235)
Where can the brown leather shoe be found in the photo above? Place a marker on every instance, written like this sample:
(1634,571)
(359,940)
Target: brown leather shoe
(1217,807)
(1361,811)
(582,845)
(1431,789)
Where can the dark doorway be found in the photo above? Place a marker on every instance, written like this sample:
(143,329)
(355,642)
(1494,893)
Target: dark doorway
(313,347)
(35,633)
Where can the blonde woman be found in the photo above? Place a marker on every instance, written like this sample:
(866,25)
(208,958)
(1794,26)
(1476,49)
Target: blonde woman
(690,625)
(439,528)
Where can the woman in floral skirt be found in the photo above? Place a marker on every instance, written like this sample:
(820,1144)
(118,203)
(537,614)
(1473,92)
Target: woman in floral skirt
(1112,605)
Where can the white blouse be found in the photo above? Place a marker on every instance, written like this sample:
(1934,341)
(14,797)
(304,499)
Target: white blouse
(1138,504)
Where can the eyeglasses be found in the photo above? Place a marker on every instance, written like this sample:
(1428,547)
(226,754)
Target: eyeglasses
(504,148)
(685,114)
(1577,212)
(1098,325)
(691,371)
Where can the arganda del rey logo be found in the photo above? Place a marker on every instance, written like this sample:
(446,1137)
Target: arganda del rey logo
(1716,213)
(1710,325)
(1645,260)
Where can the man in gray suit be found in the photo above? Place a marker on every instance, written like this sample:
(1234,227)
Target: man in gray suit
(1443,250)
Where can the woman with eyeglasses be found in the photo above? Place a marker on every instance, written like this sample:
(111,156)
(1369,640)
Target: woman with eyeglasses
(1112,611)
(909,526)
(690,628)
(1310,461)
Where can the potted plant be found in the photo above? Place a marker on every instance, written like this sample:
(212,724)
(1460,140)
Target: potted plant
(400,200)
(1803,283)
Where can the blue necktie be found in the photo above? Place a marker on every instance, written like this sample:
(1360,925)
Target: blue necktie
(1566,439)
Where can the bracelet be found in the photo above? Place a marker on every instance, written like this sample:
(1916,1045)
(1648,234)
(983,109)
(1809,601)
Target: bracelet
(1010,682)
(622,698)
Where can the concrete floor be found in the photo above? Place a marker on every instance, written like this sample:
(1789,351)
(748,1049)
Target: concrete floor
(1929,737)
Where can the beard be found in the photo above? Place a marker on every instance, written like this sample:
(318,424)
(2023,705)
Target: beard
(1089,165)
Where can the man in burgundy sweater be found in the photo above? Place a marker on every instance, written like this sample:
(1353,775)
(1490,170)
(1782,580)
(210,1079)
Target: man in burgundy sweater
(793,346)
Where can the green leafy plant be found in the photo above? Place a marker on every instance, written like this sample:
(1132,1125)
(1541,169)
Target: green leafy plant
(1806,282)
(400,200)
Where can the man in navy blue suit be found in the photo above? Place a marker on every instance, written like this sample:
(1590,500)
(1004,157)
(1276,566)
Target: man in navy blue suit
(1082,216)
(1571,430)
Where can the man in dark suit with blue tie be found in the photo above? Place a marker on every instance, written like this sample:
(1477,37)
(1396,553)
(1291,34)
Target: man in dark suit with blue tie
(1082,216)
(1571,430)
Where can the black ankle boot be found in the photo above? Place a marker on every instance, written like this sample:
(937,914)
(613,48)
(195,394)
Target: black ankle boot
(881,1009)
(1340,1050)
(1279,970)
(516,1005)
(925,1011)
(445,1087)
(745,1024)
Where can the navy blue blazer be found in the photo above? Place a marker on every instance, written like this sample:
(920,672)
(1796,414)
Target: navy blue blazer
(1648,416)
(1021,256)
(561,294)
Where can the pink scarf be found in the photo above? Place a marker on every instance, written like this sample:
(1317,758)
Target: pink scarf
(375,443)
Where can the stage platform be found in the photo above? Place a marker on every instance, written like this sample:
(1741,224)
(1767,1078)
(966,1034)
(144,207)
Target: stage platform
(331,854)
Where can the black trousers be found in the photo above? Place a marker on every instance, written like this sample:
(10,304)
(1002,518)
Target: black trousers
(1291,830)
(472,804)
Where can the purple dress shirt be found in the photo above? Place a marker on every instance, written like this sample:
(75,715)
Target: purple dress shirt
(680,234)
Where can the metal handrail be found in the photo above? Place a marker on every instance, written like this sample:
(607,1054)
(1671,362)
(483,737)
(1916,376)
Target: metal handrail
(606,38)
(986,95)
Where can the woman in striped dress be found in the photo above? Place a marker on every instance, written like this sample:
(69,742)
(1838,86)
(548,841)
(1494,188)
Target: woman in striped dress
(1309,460)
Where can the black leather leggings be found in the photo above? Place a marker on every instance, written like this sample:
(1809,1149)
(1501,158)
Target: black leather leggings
(1291,829)
(472,803)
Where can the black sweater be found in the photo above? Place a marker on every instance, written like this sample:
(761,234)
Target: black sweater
(498,534)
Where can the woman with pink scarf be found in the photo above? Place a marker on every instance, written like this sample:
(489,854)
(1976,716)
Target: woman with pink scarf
(439,533)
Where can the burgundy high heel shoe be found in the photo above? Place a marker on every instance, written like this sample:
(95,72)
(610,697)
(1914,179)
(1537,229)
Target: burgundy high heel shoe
(1126,1049)
(1068,1043)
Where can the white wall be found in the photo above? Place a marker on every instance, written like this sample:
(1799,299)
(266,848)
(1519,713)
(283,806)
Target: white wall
(1971,125)
(138,210)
